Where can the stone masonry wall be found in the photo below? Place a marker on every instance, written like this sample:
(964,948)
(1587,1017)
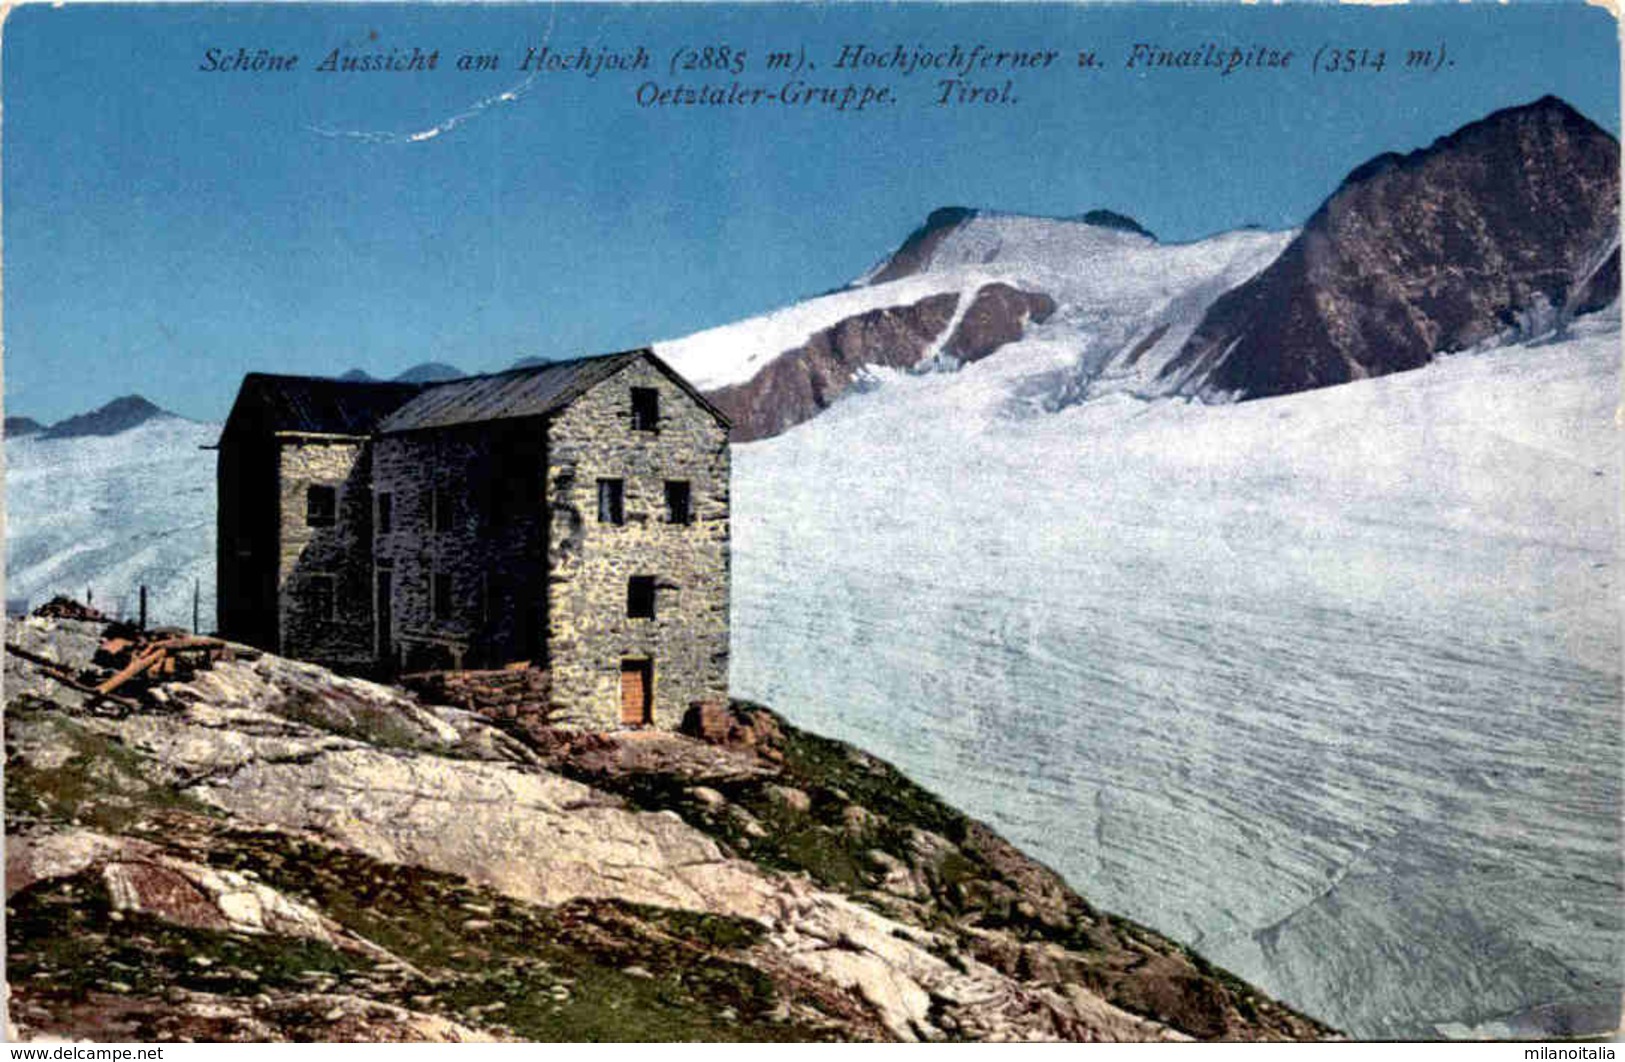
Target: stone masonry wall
(591,562)
(492,547)
(339,553)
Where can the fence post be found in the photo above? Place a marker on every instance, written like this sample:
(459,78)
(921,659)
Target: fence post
(194,605)
(143,622)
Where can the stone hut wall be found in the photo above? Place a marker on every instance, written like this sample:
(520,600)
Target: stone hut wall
(591,562)
(315,560)
(491,545)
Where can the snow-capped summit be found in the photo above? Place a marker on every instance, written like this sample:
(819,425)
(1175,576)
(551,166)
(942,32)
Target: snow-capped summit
(1094,294)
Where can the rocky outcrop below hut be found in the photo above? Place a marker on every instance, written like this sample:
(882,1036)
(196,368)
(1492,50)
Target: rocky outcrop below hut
(258,849)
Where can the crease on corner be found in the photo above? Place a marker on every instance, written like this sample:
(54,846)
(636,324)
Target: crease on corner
(512,94)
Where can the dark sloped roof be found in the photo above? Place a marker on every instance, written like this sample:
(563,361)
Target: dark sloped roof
(317,404)
(320,405)
(530,392)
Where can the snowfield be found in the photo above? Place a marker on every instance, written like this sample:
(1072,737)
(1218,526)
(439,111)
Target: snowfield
(111,513)
(1327,685)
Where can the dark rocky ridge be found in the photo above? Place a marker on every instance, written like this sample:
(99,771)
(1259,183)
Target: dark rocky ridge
(121,414)
(20,427)
(802,382)
(1111,219)
(1434,251)
(915,253)
(998,315)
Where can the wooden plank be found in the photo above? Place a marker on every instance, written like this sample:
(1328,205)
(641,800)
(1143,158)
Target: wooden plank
(61,673)
(135,667)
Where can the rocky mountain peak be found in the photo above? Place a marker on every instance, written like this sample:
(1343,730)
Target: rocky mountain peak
(914,256)
(121,414)
(1509,218)
(19,427)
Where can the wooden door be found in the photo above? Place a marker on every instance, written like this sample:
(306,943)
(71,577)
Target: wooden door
(636,692)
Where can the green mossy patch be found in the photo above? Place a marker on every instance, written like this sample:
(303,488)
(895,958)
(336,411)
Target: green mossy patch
(63,941)
(100,783)
(586,970)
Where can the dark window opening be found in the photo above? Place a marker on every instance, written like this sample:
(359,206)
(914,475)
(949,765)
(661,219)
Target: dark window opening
(640,597)
(679,509)
(645,408)
(321,506)
(440,597)
(511,492)
(386,513)
(323,598)
(440,510)
(611,501)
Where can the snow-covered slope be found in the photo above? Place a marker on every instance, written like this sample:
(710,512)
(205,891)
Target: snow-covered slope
(1113,289)
(1327,685)
(110,513)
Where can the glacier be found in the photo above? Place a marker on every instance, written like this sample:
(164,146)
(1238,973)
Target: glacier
(1327,686)
(112,513)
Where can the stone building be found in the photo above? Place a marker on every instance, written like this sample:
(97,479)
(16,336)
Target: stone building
(571,517)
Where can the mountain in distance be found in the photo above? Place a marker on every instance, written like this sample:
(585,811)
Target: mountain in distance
(121,414)
(531,361)
(22,427)
(1508,224)
(429,372)
(965,286)
(423,372)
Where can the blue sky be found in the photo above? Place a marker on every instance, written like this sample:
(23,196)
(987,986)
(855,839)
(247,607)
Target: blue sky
(167,229)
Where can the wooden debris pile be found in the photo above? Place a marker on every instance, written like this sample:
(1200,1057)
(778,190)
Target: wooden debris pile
(131,661)
(60,607)
(161,655)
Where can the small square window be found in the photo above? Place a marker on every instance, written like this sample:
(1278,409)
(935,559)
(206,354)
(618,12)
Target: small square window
(440,596)
(323,599)
(386,513)
(640,597)
(645,409)
(611,501)
(679,509)
(321,506)
(440,510)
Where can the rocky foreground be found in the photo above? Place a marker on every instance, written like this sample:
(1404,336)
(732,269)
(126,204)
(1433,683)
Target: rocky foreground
(266,851)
